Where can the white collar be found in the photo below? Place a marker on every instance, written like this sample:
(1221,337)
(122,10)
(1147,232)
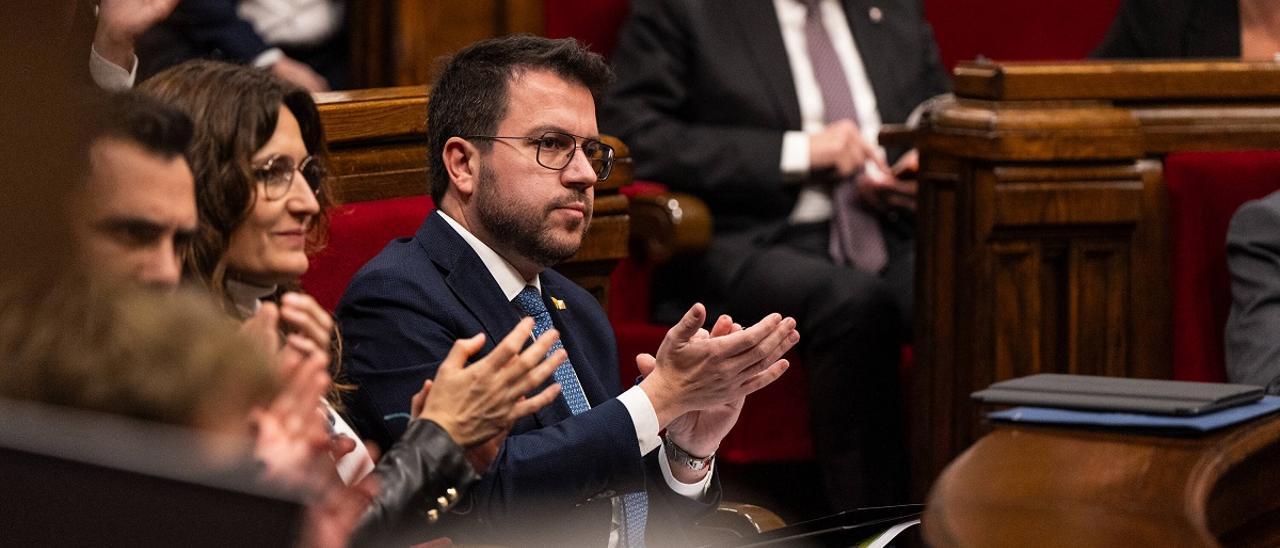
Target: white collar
(507,276)
(247,297)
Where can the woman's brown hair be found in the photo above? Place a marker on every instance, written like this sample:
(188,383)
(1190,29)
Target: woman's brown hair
(235,110)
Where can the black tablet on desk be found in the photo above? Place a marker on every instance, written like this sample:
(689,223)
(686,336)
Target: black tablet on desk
(1095,393)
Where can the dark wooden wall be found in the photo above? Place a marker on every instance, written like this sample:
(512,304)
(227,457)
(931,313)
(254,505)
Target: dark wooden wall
(398,42)
(1043,243)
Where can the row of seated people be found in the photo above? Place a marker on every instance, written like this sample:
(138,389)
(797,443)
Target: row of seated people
(215,175)
(241,296)
(711,166)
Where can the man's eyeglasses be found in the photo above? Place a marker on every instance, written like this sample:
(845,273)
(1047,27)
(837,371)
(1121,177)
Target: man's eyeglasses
(555,151)
(276,175)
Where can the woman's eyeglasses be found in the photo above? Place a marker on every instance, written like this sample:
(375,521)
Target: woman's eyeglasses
(277,174)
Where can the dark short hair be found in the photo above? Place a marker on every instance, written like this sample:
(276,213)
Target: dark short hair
(155,126)
(470,95)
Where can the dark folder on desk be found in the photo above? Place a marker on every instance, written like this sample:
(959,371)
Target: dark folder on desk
(1160,397)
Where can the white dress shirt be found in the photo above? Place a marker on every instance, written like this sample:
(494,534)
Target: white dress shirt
(814,203)
(643,416)
(110,76)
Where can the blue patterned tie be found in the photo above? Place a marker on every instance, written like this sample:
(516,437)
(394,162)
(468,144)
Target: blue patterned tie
(635,505)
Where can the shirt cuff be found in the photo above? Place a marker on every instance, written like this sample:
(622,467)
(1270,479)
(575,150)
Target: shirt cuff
(693,491)
(110,76)
(267,58)
(643,417)
(795,156)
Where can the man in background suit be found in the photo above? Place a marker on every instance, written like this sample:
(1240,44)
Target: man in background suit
(514,158)
(769,110)
(304,43)
(1253,326)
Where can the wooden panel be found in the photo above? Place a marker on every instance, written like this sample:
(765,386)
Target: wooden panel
(1117,80)
(1099,337)
(1036,131)
(1016,301)
(933,384)
(1237,126)
(374,114)
(423,31)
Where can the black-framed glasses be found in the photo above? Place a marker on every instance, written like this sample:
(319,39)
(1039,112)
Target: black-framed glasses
(555,151)
(276,175)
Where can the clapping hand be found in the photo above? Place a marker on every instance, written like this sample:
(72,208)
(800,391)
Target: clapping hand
(696,371)
(477,404)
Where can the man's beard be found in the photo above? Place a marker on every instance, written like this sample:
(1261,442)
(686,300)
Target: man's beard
(523,231)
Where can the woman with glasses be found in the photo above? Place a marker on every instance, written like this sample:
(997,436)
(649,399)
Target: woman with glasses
(258,160)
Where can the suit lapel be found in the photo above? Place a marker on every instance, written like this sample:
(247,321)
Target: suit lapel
(470,282)
(480,294)
(757,21)
(875,46)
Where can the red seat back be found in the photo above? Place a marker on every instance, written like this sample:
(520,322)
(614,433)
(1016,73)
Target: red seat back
(1205,189)
(357,232)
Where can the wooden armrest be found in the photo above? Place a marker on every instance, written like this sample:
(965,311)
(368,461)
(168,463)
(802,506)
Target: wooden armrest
(668,224)
(897,135)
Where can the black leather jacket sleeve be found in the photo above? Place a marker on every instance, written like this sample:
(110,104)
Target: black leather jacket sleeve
(421,476)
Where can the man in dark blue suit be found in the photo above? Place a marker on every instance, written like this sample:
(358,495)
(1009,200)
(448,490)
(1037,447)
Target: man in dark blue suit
(514,158)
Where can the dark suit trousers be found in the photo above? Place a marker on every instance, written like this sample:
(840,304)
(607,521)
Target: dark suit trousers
(852,325)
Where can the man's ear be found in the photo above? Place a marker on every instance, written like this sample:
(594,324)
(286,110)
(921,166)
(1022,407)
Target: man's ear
(462,161)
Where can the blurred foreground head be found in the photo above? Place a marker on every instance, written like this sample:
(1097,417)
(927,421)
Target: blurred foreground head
(172,359)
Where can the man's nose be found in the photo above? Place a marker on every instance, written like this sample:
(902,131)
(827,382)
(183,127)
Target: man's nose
(162,267)
(579,171)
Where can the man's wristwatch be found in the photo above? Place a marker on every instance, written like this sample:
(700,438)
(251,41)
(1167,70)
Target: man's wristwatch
(679,455)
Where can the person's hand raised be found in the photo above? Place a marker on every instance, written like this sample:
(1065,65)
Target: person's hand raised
(478,402)
(694,370)
(122,22)
(292,439)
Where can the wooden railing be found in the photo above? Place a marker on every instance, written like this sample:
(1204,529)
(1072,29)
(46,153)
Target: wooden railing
(1043,236)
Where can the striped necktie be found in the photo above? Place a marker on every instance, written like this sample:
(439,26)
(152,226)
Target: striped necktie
(855,239)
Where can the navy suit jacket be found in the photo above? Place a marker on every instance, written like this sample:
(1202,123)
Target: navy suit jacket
(554,475)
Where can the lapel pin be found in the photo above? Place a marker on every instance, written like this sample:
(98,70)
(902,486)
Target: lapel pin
(876,14)
(559,304)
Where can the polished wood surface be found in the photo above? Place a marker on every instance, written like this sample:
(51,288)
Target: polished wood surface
(378,150)
(1043,225)
(399,42)
(1056,486)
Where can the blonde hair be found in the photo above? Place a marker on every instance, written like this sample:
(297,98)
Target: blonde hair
(174,359)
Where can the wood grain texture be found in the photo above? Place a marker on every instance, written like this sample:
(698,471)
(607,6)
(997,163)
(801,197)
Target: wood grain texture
(1051,486)
(1044,223)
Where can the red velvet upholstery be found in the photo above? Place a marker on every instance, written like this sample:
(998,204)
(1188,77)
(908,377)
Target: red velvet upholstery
(1011,30)
(1205,189)
(357,232)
